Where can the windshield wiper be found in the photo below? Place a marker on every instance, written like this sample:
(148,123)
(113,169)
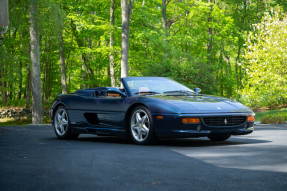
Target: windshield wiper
(146,92)
(179,91)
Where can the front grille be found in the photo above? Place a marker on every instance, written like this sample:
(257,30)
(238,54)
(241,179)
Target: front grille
(224,121)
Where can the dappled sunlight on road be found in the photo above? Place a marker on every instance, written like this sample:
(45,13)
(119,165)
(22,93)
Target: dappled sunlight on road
(265,155)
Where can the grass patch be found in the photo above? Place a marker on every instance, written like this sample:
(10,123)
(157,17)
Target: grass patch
(20,122)
(276,116)
(21,104)
(271,119)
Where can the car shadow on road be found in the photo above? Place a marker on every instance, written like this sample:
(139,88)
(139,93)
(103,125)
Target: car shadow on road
(203,142)
(183,142)
(104,139)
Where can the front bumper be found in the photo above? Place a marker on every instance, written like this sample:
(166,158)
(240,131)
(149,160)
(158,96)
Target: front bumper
(171,126)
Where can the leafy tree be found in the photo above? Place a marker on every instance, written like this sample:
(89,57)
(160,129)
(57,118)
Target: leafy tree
(266,57)
(197,42)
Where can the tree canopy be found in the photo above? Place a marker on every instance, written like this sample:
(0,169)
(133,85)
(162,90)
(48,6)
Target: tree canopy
(266,61)
(220,46)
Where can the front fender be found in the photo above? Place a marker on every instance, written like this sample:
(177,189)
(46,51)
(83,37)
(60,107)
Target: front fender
(154,105)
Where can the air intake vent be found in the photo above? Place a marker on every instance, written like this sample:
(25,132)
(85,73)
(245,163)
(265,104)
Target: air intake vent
(92,118)
(224,121)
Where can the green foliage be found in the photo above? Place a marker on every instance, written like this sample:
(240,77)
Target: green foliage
(274,119)
(266,55)
(276,112)
(182,54)
(22,121)
(180,51)
(14,103)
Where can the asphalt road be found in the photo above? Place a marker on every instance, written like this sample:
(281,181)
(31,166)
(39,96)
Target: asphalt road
(31,158)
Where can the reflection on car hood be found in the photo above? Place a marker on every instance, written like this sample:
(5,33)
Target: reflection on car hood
(203,103)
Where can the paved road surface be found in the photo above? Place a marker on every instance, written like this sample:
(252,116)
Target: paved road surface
(31,158)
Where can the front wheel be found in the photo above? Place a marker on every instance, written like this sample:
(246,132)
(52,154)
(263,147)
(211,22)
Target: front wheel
(217,138)
(141,126)
(62,124)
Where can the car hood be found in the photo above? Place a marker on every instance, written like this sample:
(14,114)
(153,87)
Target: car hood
(203,104)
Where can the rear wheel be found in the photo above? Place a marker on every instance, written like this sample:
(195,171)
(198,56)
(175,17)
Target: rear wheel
(217,138)
(141,126)
(62,124)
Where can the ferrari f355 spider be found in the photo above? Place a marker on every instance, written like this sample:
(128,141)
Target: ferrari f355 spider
(147,108)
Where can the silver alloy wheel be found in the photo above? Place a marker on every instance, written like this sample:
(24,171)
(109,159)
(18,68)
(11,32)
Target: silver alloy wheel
(61,122)
(140,125)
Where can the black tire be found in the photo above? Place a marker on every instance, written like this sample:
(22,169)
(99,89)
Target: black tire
(62,125)
(141,130)
(217,138)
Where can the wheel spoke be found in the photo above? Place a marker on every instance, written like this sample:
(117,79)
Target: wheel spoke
(140,134)
(135,122)
(64,128)
(59,117)
(144,128)
(144,118)
(138,117)
(60,128)
(135,127)
(65,122)
(63,115)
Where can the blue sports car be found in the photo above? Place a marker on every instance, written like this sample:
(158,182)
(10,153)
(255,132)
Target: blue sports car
(147,108)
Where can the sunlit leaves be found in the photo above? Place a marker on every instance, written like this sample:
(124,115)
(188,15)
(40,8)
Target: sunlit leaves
(266,58)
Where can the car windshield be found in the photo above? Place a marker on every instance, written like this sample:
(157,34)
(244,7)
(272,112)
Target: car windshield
(155,85)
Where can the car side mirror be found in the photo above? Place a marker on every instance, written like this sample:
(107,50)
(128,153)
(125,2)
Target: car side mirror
(114,92)
(197,90)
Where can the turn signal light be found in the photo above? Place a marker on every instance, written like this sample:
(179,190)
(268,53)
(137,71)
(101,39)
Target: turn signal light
(251,118)
(190,120)
(159,117)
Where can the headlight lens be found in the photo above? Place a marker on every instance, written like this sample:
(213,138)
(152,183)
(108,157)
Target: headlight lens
(251,118)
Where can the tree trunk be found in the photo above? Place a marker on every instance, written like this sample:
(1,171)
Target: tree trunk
(63,66)
(20,82)
(4,16)
(49,81)
(35,58)
(111,55)
(164,18)
(88,68)
(220,71)
(236,65)
(83,85)
(28,87)
(126,12)
(3,84)
(209,38)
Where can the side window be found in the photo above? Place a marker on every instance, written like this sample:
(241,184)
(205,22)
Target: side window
(106,94)
(100,93)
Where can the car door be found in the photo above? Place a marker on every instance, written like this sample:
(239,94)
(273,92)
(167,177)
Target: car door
(105,110)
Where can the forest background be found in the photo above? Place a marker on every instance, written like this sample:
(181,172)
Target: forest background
(231,48)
